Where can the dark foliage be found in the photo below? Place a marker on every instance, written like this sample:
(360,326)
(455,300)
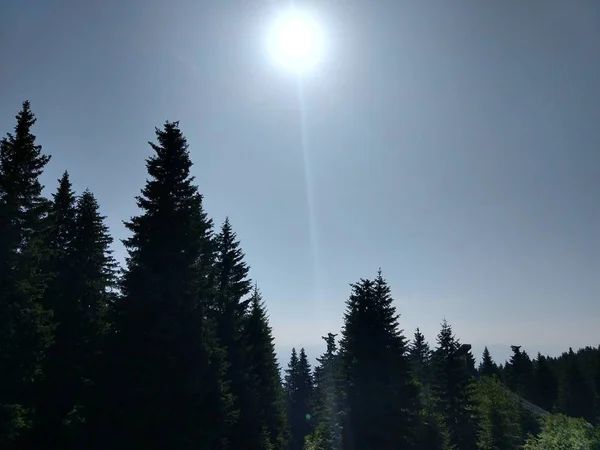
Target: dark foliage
(176,350)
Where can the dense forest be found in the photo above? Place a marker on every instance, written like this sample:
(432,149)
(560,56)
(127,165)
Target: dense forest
(175,350)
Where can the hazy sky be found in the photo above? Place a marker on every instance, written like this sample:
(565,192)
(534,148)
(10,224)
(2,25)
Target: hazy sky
(454,144)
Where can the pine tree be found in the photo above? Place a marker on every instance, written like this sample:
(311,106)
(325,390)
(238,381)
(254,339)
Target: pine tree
(487,368)
(165,385)
(93,290)
(545,384)
(327,391)
(380,400)
(26,328)
(56,396)
(84,273)
(519,373)
(265,377)
(499,415)
(299,387)
(432,432)
(452,389)
(229,313)
(576,398)
(420,363)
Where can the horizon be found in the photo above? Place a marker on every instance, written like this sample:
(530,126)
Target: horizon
(482,205)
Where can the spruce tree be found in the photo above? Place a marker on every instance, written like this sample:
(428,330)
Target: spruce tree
(56,396)
(487,368)
(519,373)
(299,391)
(420,363)
(327,391)
(453,389)
(93,291)
(229,313)
(269,404)
(26,328)
(499,417)
(545,384)
(165,384)
(575,398)
(380,400)
(84,274)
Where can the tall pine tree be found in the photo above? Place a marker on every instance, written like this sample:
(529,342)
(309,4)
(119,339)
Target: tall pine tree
(57,393)
(420,363)
(265,378)
(452,389)
(327,392)
(519,373)
(545,383)
(575,397)
(229,313)
(299,393)
(380,400)
(487,368)
(499,417)
(26,328)
(165,385)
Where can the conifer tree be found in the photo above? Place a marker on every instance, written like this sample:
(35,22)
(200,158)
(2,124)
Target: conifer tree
(84,273)
(432,432)
(269,404)
(327,391)
(380,400)
(299,392)
(452,389)
(545,384)
(487,368)
(56,396)
(519,373)
(165,385)
(499,417)
(229,313)
(26,328)
(575,398)
(93,290)
(420,363)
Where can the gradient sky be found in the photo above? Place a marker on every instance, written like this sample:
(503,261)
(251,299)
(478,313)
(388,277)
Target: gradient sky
(454,144)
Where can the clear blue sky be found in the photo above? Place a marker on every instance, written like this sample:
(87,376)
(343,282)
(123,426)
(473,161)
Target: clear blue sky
(454,144)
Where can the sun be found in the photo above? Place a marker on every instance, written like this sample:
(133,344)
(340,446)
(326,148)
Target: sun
(296,41)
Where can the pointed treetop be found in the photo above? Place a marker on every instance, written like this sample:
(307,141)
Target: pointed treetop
(21,160)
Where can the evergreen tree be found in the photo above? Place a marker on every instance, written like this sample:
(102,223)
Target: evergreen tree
(545,384)
(499,417)
(84,273)
(265,377)
(26,328)
(327,389)
(299,386)
(519,373)
(432,432)
(93,291)
(452,389)
(420,363)
(380,400)
(488,367)
(165,384)
(576,398)
(229,313)
(56,396)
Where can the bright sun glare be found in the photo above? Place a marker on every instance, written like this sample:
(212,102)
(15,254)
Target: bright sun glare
(295,41)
